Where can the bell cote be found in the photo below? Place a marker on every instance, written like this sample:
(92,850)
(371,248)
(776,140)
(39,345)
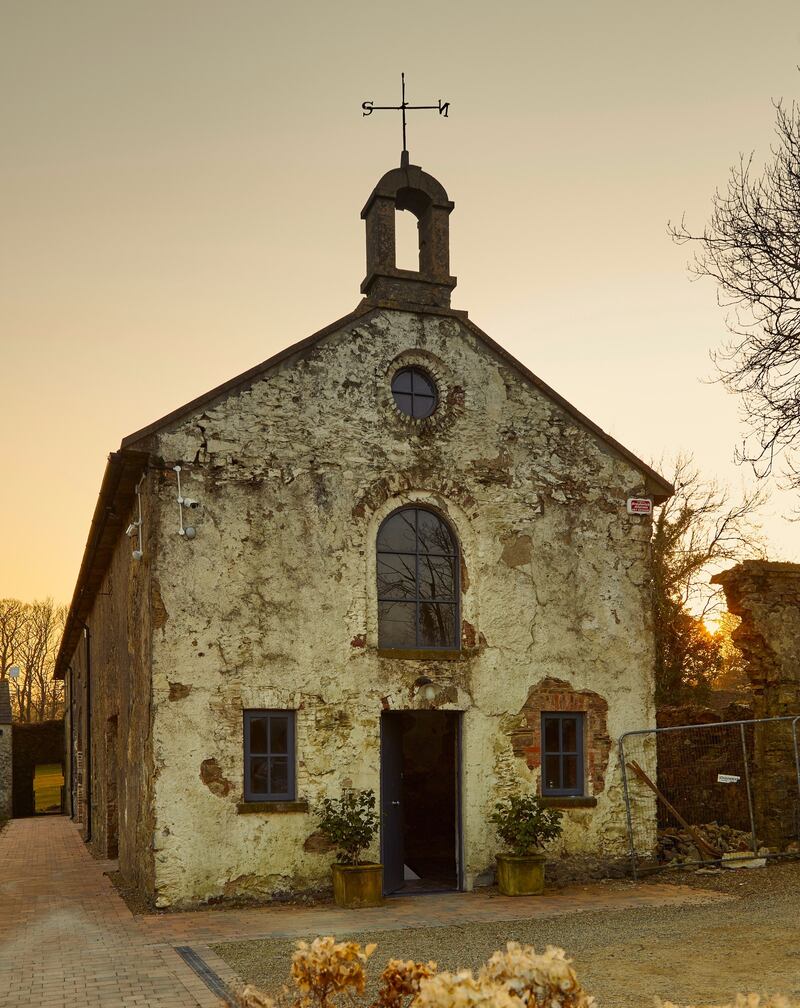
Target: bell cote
(408,188)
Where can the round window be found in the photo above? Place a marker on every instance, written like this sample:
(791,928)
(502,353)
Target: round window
(414,393)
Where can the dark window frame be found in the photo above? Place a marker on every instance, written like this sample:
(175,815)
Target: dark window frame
(419,599)
(561,752)
(270,714)
(427,397)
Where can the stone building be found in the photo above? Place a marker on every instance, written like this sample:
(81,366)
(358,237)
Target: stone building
(388,557)
(6,763)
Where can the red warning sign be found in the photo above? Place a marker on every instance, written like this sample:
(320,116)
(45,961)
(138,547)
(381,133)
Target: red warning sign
(640,506)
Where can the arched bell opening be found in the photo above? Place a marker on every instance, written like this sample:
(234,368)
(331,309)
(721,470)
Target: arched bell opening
(404,267)
(406,241)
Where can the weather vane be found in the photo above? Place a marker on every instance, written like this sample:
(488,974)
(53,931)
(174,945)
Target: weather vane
(369,107)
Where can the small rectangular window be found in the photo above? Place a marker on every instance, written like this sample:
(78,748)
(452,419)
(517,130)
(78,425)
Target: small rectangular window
(269,755)
(562,754)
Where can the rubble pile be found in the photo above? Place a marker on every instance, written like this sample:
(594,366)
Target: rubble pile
(677,846)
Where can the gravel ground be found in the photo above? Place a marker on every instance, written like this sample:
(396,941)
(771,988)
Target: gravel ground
(693,954)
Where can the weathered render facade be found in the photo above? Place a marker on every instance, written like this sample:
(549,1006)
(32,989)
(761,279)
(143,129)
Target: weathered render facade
(261,601)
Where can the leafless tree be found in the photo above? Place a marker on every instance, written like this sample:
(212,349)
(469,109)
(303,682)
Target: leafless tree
(694,533)
(751,248)
(30,633)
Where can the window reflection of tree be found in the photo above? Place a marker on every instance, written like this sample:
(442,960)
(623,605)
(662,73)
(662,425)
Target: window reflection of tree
(417,580)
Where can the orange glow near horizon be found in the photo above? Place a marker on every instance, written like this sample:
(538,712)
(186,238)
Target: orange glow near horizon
(181,193)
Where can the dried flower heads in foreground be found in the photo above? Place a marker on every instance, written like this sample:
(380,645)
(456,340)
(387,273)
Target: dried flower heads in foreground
(538,980)
(325,968)
(400,982)
(518,977)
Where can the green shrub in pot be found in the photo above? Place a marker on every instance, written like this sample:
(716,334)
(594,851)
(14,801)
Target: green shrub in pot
(525,825)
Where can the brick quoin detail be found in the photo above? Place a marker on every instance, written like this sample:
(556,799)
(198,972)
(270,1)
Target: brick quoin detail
(558,695)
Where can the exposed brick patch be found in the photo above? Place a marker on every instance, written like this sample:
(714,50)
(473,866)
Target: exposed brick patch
(211,776)
(179,691)
(317,843)
(557,695)
(359,640)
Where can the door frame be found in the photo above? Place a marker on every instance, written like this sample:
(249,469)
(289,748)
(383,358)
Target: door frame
(458,790)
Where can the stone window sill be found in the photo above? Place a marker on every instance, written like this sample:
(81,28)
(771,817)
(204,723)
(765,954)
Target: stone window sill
(432,654)
(567,801)
(271,807)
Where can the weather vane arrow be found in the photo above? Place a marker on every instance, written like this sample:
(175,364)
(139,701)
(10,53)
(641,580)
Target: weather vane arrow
(368,107)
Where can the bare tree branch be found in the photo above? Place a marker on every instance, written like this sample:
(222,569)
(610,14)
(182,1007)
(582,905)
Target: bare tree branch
(751,249)
(30,633)
(694,533)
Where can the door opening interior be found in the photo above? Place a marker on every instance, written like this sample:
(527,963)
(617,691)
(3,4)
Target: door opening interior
(420,801)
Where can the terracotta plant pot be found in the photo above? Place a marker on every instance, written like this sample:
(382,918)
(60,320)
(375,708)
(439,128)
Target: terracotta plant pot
(358,885)
(520,876)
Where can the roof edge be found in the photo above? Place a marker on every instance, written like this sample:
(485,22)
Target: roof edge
(662,488)
(104,531)
(239,381)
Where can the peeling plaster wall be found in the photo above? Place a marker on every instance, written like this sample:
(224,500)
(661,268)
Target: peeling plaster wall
(273,603)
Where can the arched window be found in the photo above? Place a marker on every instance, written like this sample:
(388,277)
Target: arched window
(418,567)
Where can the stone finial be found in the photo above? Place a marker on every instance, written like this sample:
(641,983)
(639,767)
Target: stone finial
(408,188)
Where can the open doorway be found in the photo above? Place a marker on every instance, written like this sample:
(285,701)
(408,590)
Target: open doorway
(48,780)
(420,807)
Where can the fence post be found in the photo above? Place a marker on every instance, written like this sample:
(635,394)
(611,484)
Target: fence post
(631,847)
(747,785)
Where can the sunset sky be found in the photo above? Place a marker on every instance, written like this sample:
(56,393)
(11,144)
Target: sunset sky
(181,183)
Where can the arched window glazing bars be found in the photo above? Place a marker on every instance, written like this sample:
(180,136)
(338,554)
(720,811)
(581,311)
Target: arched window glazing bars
(418,582)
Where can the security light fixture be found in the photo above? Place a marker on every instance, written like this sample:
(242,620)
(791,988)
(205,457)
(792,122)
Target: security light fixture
(426,688)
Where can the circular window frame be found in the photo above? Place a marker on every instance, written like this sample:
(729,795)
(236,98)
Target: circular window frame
(449,396)
(427,377)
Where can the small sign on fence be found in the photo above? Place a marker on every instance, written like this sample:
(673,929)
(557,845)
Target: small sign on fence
(727,778)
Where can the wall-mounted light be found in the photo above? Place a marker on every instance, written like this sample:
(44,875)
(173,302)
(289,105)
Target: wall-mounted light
(135,527)
(426,688)
(187,531)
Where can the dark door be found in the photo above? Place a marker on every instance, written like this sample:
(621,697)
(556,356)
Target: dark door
(392,854)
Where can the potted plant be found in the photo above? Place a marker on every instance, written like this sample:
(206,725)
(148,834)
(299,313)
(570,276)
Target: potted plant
(350,823)
(524,824)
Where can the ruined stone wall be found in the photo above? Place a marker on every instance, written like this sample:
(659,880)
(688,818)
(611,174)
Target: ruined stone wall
(112,705)
(272,604)
(766,597)
(6,771)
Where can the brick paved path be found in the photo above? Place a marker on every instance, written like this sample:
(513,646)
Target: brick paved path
(209,927)
(66,938)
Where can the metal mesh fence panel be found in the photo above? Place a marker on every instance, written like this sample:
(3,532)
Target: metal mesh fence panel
(699,794)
